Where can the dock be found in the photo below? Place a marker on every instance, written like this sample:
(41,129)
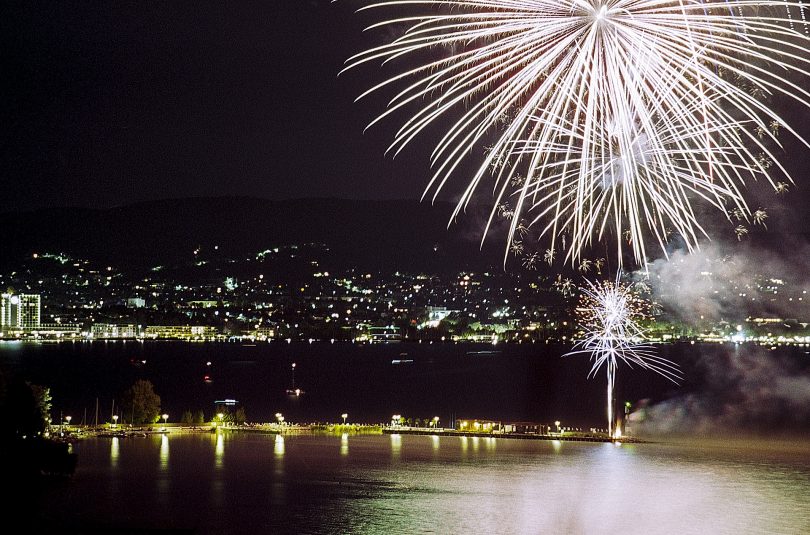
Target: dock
(567,437)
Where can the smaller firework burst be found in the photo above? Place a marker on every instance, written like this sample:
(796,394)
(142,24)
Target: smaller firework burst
(610,314)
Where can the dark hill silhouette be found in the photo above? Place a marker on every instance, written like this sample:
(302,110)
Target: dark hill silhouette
(373,234)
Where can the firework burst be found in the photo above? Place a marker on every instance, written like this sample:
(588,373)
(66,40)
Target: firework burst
(609,314)
(603,85)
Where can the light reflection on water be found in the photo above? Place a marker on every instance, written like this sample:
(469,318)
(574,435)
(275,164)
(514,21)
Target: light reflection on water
(164,479)
(219,449)
(396,446)
(399,484)
(164,452)
(115,451)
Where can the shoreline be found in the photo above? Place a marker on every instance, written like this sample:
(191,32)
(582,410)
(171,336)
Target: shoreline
(371,430)
(514,436)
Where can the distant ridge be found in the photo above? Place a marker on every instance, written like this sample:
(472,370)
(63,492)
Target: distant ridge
(375,234)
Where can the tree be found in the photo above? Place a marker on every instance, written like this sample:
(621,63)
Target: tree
(42,401)
(26,408)
(141,403)
(240,417)
(186,418)
(199,417)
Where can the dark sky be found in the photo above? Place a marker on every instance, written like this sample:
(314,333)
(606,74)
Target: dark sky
(105,103)
(109,102)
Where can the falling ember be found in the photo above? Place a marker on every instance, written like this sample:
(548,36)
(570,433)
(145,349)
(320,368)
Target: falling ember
(596,118)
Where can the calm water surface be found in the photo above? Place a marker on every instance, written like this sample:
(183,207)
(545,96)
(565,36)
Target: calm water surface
(245,483)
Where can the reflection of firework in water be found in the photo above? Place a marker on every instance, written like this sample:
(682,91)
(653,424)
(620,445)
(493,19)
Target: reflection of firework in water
(609,313)
(618,85)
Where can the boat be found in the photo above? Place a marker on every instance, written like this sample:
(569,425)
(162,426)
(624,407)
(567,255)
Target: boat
(293,391)
(483,353)
(402,361)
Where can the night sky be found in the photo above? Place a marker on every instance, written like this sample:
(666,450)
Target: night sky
(109,103)
(106,103)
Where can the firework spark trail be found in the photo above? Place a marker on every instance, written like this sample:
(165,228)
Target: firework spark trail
(609,315)
(590,199)
(592,77)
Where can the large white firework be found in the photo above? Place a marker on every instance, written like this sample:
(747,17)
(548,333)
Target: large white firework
(583,194)
(595,81)
(609,316)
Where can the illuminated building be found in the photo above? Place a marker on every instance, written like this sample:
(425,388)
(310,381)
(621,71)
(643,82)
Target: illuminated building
(182,332)
(58,330)
(388,333)
(104,331)
(19,312)
(265,332)
(136,302)
(203,303)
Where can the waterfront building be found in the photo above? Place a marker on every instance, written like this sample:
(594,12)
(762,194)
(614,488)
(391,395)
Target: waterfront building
(20,312)
(106,331)
(182,332)
(58,330)
(388,333)
(380,334)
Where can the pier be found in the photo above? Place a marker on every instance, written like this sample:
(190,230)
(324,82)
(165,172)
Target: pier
(572,437)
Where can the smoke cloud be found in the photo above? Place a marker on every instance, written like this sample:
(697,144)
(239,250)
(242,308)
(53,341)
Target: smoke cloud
(738,389)
(731,282)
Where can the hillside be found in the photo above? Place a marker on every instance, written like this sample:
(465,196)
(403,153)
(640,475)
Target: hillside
(398,234)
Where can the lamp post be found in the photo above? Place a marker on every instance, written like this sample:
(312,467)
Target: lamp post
(68,419)
(280,418)
(344,416)
(165,418)
(557,423)
(435,422)
(115,420)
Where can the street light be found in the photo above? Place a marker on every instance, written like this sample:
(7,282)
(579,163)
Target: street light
(165,417)
(68,419)
(344,416)
(435,422)
(557,423)
(62,424)
(115,420)
(280,418)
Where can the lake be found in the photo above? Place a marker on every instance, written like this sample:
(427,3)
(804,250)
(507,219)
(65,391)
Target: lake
(528,382)
(236,483)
